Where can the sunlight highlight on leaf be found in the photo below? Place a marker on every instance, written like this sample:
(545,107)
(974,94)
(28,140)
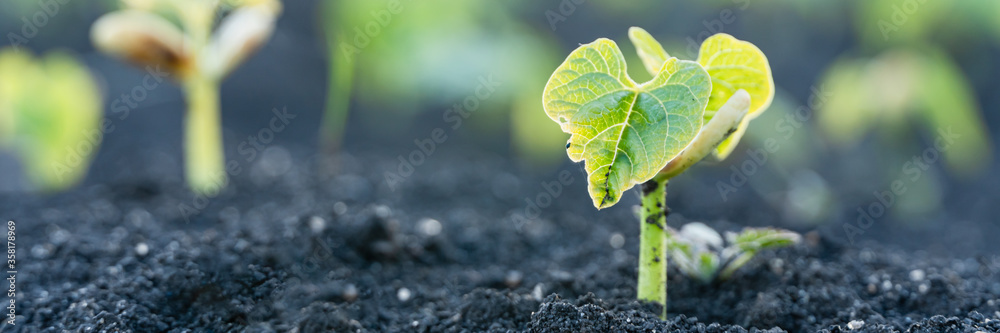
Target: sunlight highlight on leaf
(650,51)
(624,131)
(733,65)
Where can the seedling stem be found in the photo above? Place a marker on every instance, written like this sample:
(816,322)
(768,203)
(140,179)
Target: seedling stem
(652,284)
(203,139)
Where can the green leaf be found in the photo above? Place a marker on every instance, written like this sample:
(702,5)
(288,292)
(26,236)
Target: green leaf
(54,113)
(625,132)
(751,240)
(650,51)
(733,65)
(746,244)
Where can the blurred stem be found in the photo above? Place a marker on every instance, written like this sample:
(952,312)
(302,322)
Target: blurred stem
(337,98)
(204,161)
(652,284)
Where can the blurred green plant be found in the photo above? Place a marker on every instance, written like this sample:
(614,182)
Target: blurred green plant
(630,133)
(701,253)
(899,88)
(396,58)
(50,112)
(178,35)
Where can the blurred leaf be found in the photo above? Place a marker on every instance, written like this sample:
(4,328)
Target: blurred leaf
(849,113)
(145,39)
(56,112)
(892,78)
(901,85)
(650,51)
(697,249)
(593,99)
(733,65)
(950,107)
(701,236)
(239,35)
(752,240)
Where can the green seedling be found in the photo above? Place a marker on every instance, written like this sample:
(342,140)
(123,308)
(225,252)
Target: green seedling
(701,253)
(630,133)
(178,36)
(894,93)
(50,116)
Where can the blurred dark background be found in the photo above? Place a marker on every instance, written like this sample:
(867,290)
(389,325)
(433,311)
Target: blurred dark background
(863,88)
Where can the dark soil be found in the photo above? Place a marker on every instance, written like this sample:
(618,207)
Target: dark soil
(308,251)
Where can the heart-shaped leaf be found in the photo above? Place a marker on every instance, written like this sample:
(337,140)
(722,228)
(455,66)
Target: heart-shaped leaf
(624,131)
(733,65)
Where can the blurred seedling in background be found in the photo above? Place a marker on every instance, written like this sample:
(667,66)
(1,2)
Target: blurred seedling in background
(632,133)
(387,58)
(187,39)
(50,116)
(916,102)
(701,253)
(899,88)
